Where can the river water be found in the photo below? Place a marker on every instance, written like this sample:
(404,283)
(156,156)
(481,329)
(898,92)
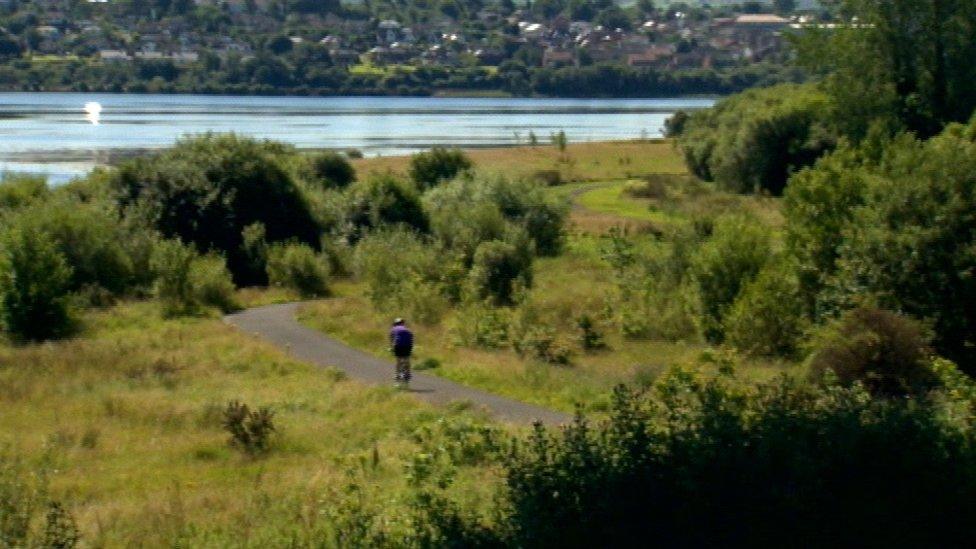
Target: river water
(64,135)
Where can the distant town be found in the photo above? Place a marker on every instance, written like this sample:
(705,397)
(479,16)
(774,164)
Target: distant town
(547,47)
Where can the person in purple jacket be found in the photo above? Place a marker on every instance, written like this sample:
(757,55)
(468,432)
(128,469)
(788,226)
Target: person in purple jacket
(401,342)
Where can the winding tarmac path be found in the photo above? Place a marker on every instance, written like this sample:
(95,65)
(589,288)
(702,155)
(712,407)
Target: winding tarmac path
(278,324)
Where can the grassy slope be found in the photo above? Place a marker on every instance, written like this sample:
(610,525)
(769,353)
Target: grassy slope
(578,281)
(128,418)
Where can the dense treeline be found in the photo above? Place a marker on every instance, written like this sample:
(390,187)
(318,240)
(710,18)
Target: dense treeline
(266,75)
(875,163)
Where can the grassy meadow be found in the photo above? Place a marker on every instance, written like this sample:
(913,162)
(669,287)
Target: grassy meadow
(124,421)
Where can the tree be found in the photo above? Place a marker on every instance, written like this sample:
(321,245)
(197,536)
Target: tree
(912,243)
(207,189)
(906,62)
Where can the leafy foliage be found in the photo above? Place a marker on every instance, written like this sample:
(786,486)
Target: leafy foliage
(428,169)
(333,170)
(755,140)
(206,190)
(298,267)
(186,281)
(500,268)
(768,318)
(35,283)
(723,265)
(383,200)
(250,430)
(886,352)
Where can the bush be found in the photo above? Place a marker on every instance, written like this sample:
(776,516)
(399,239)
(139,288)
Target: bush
(500,268)
(478,325)
(333,170)
(206,190)
(96,245)
(403,272)
(543,343)
(383,200)
(590,336)
(297,266)
(187,282)
(17,191)
(767,319)
(736,252)
(428,169)
(656,296)
(754,140)
(549,178)
(886,352)
(212,284)
(35,281)
(60,528)
(836,466)
(255,247)
(912,242)
(529,205)
(250,430)
(172,262)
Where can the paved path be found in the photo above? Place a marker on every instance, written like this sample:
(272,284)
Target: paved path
(278,324)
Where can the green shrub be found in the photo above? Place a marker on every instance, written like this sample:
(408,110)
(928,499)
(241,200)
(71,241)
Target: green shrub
(206,190)
(500,268)
(527,204)
(725,263)
(886,352)
(912,242)
(657,300)
(768,318)
(35,282)
(60,528)
(172,262)
(19,191)
(428,169)
(819,205)
(298,267)
(543,343)
(333,170)
(406,276)
(754,140)
(478,325)
(254,244)
(250,430)
(590,336)
(98,247)
(383,200)
(467,212)
(212,284)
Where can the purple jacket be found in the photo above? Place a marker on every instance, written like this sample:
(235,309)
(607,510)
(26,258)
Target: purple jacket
(401,339)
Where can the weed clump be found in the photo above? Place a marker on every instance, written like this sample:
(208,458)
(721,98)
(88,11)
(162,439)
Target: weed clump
(250,430)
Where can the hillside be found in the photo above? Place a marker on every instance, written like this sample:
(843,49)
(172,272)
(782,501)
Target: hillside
(454,47)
